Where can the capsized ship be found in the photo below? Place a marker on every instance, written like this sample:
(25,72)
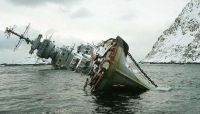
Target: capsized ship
(61,58)
(106,63)
(112,71)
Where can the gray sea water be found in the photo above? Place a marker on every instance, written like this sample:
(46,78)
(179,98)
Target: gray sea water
(40,89)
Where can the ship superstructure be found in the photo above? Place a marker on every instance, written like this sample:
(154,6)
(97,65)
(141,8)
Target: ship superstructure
(65,57)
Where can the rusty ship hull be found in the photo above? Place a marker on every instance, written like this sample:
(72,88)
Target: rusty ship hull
(117,75)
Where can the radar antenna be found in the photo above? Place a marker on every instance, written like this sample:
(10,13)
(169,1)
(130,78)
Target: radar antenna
(49,37)
(8,29)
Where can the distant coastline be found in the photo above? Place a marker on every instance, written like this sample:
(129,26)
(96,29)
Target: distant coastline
(167,63)
(5,64)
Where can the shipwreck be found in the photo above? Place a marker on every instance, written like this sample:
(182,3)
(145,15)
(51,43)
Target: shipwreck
(106,63)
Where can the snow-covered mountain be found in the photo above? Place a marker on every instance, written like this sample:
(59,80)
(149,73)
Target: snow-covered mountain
(180,43)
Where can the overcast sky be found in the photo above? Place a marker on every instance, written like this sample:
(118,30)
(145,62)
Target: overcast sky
(138,22)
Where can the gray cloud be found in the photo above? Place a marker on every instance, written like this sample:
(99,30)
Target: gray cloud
(81,13)
(42,2)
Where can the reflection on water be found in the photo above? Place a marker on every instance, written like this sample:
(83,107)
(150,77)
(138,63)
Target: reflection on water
(40,89)
(117,103)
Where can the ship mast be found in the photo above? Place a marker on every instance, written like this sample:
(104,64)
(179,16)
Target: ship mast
(22,37)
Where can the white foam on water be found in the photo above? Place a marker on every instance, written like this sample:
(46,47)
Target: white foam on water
(163,89)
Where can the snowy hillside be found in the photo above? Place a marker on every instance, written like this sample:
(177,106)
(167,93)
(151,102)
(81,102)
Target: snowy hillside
(181,42)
